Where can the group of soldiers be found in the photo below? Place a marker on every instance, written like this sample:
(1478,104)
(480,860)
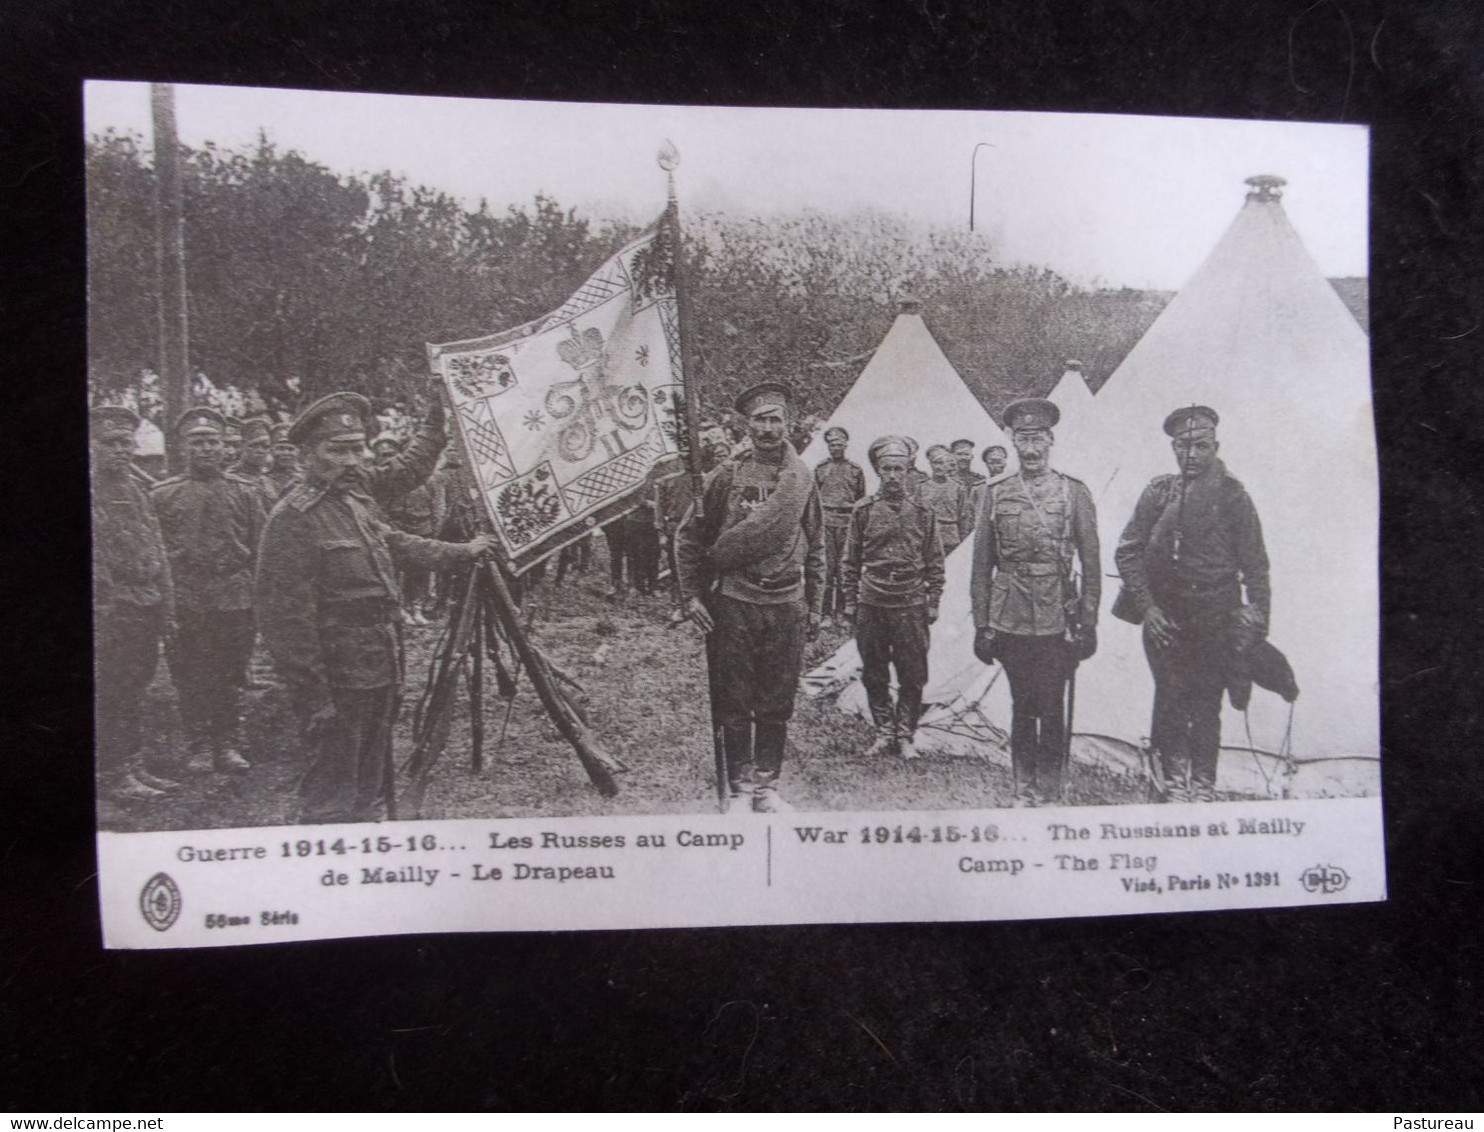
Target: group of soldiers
(315,540)
(286,536)
(779,548)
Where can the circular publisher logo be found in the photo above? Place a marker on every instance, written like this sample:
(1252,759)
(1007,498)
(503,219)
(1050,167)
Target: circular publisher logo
(160,902)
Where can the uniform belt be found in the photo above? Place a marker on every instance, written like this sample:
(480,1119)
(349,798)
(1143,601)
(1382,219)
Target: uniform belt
(839,510)
(774,583)
(881,574)
(1034,569)
(1196,586)
(360,614)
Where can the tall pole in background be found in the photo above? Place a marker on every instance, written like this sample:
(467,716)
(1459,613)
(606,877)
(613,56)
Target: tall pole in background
(669,159)
(973,171)
(174,361)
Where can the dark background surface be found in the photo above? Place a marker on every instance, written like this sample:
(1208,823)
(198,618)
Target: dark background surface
(1367,1007)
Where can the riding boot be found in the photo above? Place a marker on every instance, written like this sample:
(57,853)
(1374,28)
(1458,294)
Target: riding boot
(737,741)
(771,739)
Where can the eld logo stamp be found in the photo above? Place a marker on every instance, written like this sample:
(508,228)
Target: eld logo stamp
(159,901)
(1325,879)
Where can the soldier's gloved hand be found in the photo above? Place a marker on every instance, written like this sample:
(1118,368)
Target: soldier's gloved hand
(1084,642)
(813,628)
(984,645)
(1251,618)
(319,722)
(1160,628)
(481,545)
(696,610)
(932,613)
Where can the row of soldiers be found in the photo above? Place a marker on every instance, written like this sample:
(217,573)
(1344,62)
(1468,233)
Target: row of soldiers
(192,564)
(774,539)
(951,489)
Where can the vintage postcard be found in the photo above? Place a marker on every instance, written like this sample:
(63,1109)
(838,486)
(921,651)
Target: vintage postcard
(516,516)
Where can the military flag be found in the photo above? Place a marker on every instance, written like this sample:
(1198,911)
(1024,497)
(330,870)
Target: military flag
(567,418)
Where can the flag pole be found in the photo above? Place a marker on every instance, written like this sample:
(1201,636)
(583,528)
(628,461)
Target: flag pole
(669,159)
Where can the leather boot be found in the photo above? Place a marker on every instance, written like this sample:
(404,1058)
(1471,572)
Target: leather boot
(886,741)
(771,739)
(737,740)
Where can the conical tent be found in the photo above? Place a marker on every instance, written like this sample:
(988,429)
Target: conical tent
(910,388)
(1259,335)
(1073,452)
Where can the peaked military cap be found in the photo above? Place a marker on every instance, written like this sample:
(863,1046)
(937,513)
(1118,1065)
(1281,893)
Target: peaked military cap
(957,444)
(1191,420)
(255,427)
(766,394)
(331,418)
(1031,412)
(200,421)
(884,446)
(108,420)
(836,433)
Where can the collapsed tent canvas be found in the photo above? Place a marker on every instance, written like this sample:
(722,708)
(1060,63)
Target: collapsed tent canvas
(1258,334)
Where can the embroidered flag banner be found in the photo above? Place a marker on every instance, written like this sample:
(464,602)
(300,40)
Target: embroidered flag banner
(567,418)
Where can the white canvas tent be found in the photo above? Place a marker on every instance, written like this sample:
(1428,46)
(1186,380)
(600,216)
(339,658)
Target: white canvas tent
(1259,335)
(1074,452)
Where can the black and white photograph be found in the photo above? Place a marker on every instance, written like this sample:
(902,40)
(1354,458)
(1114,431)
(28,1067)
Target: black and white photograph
(602,495)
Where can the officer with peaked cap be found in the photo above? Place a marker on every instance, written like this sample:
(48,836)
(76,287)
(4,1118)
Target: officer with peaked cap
(330,610)
(841,484)
(1036,533)
(132,605)
(211,520)
(285,467)
(893,583)
(1191,549)
(752,576)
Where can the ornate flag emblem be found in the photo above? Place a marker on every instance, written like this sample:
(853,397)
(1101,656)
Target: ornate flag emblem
(566,419)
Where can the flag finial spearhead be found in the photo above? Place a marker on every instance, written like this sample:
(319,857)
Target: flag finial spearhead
(668,156)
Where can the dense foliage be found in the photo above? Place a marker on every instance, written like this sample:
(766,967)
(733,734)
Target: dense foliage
(303,280)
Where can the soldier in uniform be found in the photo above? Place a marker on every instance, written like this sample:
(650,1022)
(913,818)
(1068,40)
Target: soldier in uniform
(945,495)
(752,575)
(211,520)
(893,582)
(841,485)
(231,442)
(285,467)
(1028,611)
(916,477)
(330,608)
(1193,546)
(133,604)
(996,459)
(420,513)
(963,456)
(257,457)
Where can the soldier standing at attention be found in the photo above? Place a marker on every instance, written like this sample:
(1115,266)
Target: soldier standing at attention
(1193,545)
(256,457)
(944,494)
(330,609)
(285,467)
(1028,611)
(893,582)
(841,485)
(752,576)
(132,604)
(211,520)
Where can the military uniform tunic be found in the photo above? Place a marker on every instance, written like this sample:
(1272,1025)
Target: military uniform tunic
(893,572)
(132,605)
(1192,546)
(760,610)
(329,608)
(948,500)
(841,485)
(211,522)
(1028,533)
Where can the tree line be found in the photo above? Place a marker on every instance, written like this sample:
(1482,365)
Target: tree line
(303,280)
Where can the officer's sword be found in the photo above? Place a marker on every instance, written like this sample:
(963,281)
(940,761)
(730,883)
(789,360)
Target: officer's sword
(1066,747)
